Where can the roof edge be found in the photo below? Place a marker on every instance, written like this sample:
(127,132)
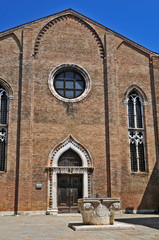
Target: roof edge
(116,34)
(70,10)
(32,22)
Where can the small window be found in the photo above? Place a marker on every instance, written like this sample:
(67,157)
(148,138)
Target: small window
(3,127)
(136,133)
(69,84)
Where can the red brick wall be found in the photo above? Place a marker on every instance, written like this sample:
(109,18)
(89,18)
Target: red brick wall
(9,71)
(133,68)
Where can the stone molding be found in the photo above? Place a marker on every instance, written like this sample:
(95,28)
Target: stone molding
(137,89)
(7,87)
(54,169)
(69,66)
(72,143)
(71,170)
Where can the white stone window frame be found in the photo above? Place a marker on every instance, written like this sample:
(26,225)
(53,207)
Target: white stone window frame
(136,138)
(76,68)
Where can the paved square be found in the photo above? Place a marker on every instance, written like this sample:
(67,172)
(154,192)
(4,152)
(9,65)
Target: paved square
(42,227)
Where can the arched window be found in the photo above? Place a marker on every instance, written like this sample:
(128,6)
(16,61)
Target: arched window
(70,159)
(136,133)
(3,127)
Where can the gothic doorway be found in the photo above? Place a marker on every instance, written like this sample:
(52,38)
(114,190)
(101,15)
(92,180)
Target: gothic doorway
(70,188)
(69,176)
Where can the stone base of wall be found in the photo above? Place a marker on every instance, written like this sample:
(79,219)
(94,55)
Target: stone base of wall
(10,213)
(143,211)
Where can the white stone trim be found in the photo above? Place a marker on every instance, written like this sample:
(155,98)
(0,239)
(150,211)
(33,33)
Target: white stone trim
(6,213)
(54,169)
(77,68)
(74,148)
(10,213)
(54,212)
(141,211)
(85,184)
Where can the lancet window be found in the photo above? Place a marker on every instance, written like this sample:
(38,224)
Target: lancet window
(3,127)
(136,133)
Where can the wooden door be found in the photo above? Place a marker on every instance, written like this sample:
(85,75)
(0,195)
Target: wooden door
(68,191)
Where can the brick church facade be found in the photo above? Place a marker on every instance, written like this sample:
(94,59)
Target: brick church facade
(79,117)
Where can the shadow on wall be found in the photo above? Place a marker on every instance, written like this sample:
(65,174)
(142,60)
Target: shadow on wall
(150,201)
(150,198)
(152,222)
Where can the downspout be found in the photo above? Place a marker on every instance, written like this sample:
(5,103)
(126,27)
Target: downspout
(107,119)
(18,127)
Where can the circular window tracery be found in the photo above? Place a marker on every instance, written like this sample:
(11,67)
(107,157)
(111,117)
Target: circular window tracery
(69,83)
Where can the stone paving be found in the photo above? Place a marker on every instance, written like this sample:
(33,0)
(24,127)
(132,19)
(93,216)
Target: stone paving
(51,227)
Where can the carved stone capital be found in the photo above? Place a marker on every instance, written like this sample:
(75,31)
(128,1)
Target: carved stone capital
(98,211)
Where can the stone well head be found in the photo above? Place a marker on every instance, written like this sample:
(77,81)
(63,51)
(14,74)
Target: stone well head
(98,211)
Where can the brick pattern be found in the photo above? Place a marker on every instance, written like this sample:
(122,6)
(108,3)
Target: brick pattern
(65,17)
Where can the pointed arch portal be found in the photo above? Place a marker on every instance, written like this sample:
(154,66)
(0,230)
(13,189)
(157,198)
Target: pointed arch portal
(69,176)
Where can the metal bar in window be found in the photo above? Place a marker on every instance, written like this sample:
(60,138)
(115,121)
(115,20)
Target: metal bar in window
(135,120)
(65,88)
(137,129)
(0,107)
(74,83)
(137,154)
(142,114)
(64,84)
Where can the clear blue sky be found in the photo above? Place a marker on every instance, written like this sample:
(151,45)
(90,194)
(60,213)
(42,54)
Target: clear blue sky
(137,20)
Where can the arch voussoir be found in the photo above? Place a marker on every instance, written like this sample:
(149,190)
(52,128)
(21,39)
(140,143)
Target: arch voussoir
(72,143)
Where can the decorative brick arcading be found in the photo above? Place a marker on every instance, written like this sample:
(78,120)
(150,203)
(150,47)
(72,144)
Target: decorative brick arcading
(65,17)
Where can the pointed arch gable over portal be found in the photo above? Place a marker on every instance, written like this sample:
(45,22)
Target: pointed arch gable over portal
(54,169)
(70,143)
